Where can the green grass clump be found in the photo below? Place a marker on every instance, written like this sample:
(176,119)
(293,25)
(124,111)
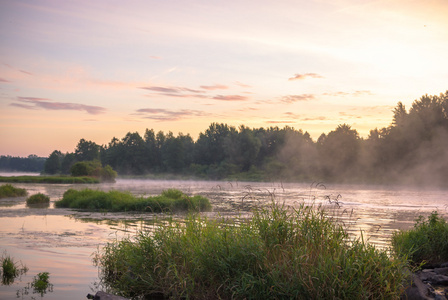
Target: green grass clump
(7,190)
(41,283)
(11,270)
(49,179)
(171,200)
(427,242)
(38,198)
(280,253)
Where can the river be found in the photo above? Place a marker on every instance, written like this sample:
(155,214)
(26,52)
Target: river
(61,241)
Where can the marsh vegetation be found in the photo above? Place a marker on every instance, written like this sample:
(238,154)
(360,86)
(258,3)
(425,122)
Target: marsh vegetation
(8,190)
(279,253)
(171,200)
(425,243)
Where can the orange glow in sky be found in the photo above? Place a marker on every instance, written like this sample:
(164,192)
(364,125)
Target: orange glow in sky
(99,69)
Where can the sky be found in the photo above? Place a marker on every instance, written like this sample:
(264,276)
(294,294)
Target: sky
(100,69)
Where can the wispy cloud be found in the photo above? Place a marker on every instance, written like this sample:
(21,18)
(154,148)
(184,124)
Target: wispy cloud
(305,76)
(355,93)
(280,122)
(170,90)
(160,114)
(26,72)
(318,118)
(297,98)
(242,84)
(4,80)
(214,87)
(44,103)
(230,98)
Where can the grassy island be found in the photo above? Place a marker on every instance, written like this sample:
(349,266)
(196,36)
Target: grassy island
(171,200)
(280,253)
(49,179)
(7,190)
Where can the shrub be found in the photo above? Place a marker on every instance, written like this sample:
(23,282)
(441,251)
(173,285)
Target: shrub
(38,198)
(7,190)
(93,168)
(278,254)
(427,242)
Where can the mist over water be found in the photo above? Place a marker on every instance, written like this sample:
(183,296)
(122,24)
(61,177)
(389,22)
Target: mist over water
(61,241)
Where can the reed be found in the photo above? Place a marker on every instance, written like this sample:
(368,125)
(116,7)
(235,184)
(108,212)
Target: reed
(11,269)
(171,200)
(280,253)
(426,243)
(7,190)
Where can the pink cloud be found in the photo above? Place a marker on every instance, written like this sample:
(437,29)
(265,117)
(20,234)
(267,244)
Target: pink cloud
(169,90)
(4,80)
(44,103)
(296,98)
(214,87)
(230,98)
(160,114)
(355,93)
(304,76)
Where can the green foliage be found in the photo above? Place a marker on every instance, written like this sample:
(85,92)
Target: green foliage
(278,254)
(38,198)
(171,200)
(7,190)
(32,163)
(11,270)
(93,168)
(414,143)
(427,242)
(48,179)
(41,283)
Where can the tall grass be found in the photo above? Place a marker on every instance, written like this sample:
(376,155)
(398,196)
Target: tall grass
(427,242)
(10,269)
(7,190)
(280,253)
(171,200)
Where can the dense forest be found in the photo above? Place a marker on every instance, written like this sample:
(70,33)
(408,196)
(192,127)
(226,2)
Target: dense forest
(412,150)
(32,163)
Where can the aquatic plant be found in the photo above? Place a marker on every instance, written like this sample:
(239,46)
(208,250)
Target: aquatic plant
(38,198)
(427,242)
(41,283)
(280,253)
(11,270)
(171,200)
(7,190)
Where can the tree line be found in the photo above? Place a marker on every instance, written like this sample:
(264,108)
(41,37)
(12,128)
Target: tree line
(32,163)
(412,149)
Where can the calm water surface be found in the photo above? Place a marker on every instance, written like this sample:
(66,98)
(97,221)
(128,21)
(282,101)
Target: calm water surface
(61,241)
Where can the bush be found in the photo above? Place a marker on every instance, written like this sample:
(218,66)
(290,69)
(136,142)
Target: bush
(38,198)
(278,254)
(7,190)
(93,168)
(171,200)
(427,242)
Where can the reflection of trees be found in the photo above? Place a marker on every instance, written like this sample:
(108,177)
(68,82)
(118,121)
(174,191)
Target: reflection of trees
(414,144)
